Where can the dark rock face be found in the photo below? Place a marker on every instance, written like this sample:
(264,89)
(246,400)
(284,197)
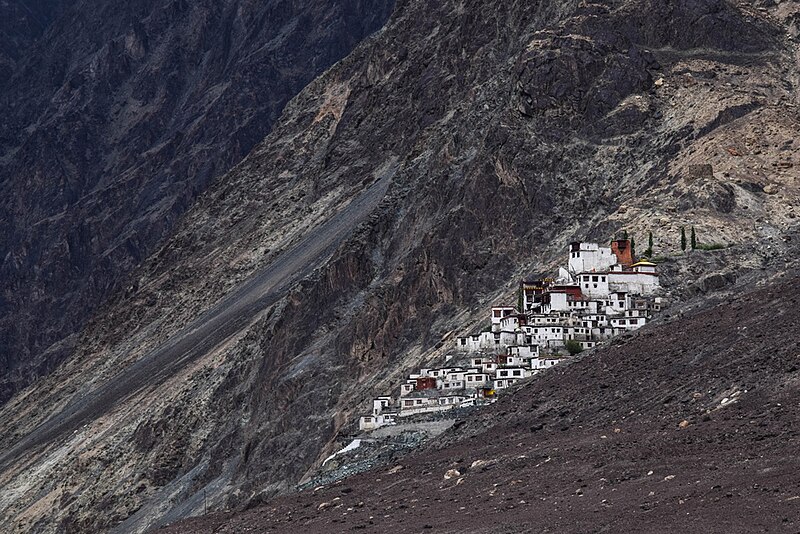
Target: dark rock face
(21,23)
(112,123)
(572,75)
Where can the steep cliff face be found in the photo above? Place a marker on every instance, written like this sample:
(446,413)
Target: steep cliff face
(21,23)
(113,121)
(508,128)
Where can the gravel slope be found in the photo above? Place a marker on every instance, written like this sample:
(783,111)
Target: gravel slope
(688,426)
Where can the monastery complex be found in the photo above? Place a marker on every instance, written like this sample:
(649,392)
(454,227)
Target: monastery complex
(601,293)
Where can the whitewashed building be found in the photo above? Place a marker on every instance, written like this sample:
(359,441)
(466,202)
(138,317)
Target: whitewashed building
(594,285)
(498,314)
(589,257)
(371,422)
(512,372)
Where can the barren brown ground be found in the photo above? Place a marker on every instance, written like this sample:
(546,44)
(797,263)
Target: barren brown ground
(689,426)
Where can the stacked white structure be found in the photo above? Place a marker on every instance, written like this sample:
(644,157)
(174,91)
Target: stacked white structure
(601,293)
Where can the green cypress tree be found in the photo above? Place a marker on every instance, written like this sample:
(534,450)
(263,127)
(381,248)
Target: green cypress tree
(520,300)
(649,252)
(693,239)
(624,235)
(683,239)
(633,249)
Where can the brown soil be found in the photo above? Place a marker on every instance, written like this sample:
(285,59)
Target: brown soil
(688,426)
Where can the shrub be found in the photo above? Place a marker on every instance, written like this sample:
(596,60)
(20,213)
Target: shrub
(573,347)
(711,246)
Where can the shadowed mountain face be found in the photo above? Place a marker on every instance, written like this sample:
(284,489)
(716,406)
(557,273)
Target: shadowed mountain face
(117,115)
(506,130)
(21,23)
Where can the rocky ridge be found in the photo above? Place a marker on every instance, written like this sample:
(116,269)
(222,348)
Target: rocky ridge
(513,127)
(115,117)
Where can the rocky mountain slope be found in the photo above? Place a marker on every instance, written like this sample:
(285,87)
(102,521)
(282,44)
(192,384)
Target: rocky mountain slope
(654,433)
(21,23)
(508,128)
(117,115)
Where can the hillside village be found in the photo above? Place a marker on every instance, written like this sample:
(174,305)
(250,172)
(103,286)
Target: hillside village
(601,293)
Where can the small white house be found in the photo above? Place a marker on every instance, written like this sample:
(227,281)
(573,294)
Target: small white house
(512,372)
(524,351)
(503,383)
(498,314)
(594,285)
(557,302)
(510,323)
(628,323)
(545,334)
(476,379)
(380,404)
(449,385)
(617,303)
(408,387)
(371,422)
(487,341)
(544,363)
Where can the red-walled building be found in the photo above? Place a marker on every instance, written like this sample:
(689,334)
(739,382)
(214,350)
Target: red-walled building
(623,251)
(425,382)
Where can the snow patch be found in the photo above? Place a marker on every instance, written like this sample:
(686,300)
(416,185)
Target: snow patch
(356,443)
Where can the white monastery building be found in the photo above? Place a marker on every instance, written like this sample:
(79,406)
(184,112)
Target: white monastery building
(603,292)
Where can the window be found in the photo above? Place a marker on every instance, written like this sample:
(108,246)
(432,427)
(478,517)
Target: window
(517,373)
(368,419)
(408,403)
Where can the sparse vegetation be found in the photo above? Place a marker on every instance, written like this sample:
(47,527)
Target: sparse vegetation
(573,347)
(711,246)
(683,239)
(649,252)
